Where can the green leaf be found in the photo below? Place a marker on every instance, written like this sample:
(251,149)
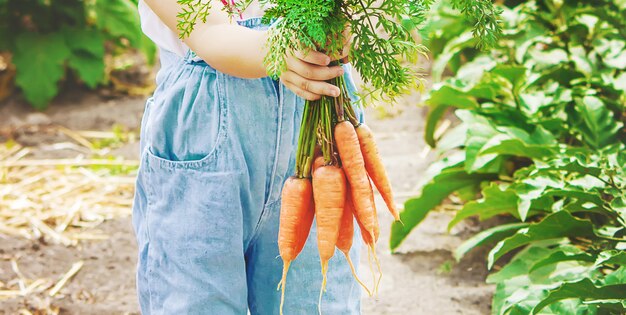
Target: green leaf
(479,133)
(598,127)
(450,96)
(469,193)
(452,140)
(584,289)
(544,99)
(493,234)
(454,47)
(515,291)
(521,263)
(495,201)
(515,74)
(87,60)
(433,193)
(542,58)
(518,268)
(434,116)
(612,257)
(569,307)
(88,40)
(517,147)
(562,256)
(40,60)
(616,277)
(519,290)
(614,306)
(531,188)
(572,164)
(486,141)
(119,18)
(556,225)
(89,68)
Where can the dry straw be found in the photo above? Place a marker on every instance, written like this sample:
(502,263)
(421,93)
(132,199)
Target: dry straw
(59,201)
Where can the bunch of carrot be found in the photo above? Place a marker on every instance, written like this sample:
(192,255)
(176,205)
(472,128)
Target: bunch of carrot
(336,158)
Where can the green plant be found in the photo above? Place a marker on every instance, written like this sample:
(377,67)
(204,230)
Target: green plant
(49,37)
(541,138)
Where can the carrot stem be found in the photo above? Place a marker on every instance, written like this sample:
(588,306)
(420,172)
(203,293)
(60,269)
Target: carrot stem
(325,131)
(307,139)
(339,101)
(302,137)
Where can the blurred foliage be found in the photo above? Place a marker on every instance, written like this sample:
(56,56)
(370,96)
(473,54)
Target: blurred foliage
(542,139)
(52,40)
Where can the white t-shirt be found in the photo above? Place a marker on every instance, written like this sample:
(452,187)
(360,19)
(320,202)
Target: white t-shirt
(163,37)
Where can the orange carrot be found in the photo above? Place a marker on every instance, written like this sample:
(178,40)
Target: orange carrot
(375,167)
(354,166)
(346,235)
(376,225)
(367,237)
(296,217)
(346,228)
(305,225)
(317,163)
(329,192)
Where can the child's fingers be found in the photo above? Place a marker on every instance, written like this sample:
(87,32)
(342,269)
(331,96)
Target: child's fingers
(302,93)
(316,87)
(313,72)
(314,57)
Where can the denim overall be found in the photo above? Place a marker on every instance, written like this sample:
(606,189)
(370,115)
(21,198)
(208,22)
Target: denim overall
(215,152)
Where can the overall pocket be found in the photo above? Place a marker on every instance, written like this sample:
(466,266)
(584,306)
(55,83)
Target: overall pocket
(187,120)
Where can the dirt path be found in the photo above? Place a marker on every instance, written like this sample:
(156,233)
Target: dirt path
(420,280)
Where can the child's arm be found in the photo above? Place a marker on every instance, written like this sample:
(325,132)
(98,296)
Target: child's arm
(239,51)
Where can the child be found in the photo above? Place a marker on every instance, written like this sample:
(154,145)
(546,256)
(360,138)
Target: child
(217,143)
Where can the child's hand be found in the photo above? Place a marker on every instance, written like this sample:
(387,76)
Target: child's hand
(306,75)
(306,72)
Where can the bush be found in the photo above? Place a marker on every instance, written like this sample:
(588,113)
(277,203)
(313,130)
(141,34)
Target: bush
(541,141)
(49,37)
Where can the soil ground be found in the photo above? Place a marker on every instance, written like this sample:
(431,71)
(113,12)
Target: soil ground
(421,279)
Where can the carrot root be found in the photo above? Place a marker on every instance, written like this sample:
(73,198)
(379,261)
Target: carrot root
(380,271)
(356,277)
(281,285)
(323,288)
(371,267)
